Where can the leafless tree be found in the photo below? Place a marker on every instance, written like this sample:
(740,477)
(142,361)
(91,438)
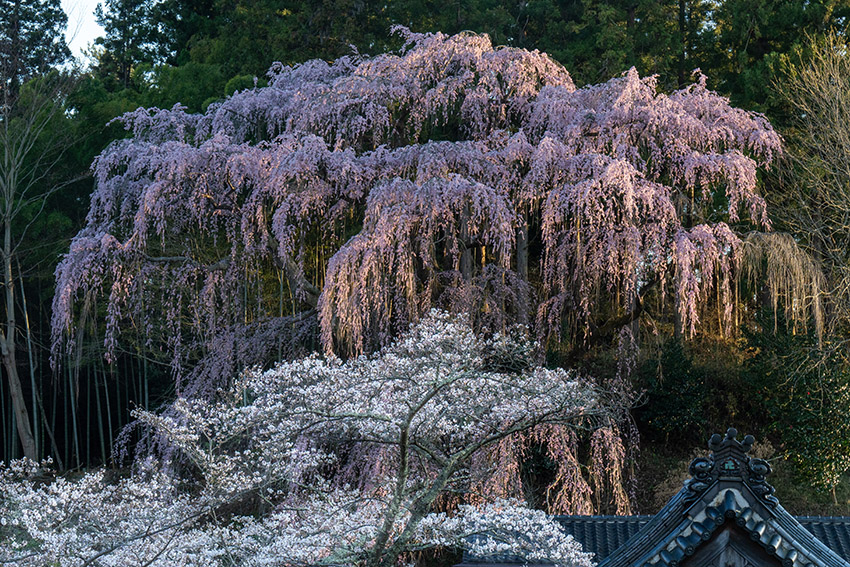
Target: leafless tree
(33,139)
(814,197)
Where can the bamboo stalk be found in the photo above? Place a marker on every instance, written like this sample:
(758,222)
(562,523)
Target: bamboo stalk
(52,428)
(72,395)
(109,426)
(142,371)
(118,405)
(99,417)
(65,403)
(147,400)
(49,430)
(13,437)
(99,362)
(88,417)
(3,420)
(280,276)
(35,431)
(130,378)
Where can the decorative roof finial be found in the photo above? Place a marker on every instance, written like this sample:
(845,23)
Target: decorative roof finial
(717,443)
(729,461)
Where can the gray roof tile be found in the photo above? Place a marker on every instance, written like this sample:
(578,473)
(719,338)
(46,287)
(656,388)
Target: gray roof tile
(603,534)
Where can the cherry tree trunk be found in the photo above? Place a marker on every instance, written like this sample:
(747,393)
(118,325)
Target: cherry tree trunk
(466,259)
(522,250)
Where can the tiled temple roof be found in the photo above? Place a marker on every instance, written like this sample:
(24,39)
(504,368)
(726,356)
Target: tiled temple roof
(726,496)
(601,535)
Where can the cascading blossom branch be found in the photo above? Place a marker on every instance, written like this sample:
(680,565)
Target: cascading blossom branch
(356,462)
(376,188)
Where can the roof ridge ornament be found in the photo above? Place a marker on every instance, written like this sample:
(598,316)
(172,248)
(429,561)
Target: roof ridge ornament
(718,443)
(729,461)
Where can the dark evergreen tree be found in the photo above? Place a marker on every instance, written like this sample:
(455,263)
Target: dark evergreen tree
(181,23)
(753,38)
(131,38)
(31,40)
(595,39)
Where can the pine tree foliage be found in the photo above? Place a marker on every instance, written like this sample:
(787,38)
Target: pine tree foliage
(32,40)
(130,38)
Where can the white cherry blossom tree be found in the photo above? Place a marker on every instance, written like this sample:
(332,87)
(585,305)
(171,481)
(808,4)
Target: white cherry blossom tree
(319,460)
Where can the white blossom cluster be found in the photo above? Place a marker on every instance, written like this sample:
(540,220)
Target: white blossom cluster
(92,520)
(317,461)
(509,529)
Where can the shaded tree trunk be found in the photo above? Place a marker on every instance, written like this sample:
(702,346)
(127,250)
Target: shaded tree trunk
(466,246)
(15,55)
(682,43)
(7,349)
(522,250)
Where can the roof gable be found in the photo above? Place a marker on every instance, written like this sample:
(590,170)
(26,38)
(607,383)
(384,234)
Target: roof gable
(726,494)
(731,547)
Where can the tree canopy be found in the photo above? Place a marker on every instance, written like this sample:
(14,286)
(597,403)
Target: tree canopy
(452,174)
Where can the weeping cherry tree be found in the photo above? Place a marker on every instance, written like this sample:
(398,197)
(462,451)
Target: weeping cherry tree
(348,199)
